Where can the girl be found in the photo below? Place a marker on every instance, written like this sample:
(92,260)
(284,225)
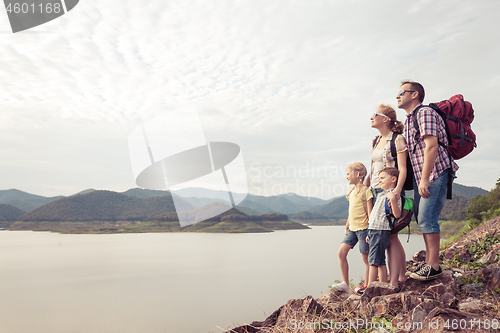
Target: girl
(385,121)
(356,228)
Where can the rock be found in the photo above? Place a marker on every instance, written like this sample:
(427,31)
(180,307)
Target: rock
(333,297)
(354,302)
(489,257)
(474,305)
(388,304)
(419,256)
(449,300)
(378,289)
(463,254)
(255,326)
(435,291)
(436,320)
(451,283)
(420,311)
(491,276)
(298,309)
(473,289)
(495,247)
(410,299)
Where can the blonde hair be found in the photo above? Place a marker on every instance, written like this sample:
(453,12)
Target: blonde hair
(395,125)
(359,167)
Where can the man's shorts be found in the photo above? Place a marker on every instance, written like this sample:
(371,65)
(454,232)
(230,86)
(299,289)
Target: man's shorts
(353,237)
(379,242)
(428,209)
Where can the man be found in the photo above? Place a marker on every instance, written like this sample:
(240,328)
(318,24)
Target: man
(431,166)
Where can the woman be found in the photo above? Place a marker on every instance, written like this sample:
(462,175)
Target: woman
(385,121)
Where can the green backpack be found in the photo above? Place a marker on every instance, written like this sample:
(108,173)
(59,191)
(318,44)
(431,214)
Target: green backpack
(398,224)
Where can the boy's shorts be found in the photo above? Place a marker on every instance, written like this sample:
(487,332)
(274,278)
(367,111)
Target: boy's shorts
(379,241)
(353,237)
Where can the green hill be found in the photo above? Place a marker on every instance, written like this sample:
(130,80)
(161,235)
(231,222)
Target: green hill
(143,193)
(102,206)
(9,214)
(337,209)
(468,191)
(308,216)
(23,200)
(230,221)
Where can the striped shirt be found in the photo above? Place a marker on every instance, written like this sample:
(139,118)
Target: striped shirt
(430,123)
(378,220)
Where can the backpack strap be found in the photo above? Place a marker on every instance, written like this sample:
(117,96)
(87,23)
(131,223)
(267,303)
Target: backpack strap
(376,141)
(394,153)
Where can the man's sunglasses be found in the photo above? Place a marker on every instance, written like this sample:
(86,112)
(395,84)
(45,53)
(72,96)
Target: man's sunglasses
(401,93)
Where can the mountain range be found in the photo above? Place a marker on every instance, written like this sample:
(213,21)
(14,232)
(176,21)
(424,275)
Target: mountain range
(140,204)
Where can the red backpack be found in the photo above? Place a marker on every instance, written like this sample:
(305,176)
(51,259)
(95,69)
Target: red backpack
(457,115)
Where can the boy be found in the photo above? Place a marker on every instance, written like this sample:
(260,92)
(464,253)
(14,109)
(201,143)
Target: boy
(379,231)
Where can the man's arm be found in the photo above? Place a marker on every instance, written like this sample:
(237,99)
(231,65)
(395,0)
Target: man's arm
(430,154)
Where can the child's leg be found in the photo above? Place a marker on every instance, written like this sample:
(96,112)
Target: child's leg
(367,267)
(373,274)
(378,241)
(382,273)
(344,265)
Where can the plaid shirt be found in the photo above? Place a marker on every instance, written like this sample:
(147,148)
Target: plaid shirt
(430,123)
(378,220)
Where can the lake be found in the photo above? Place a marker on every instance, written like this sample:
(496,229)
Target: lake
(163,282)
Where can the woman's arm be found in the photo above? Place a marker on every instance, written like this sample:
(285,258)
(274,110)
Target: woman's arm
(396,211)
(402,171)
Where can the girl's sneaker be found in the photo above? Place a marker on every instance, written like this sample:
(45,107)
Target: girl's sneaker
(340,286)
(360,291)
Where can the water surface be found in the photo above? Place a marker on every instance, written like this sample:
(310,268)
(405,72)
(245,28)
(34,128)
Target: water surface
(163,282)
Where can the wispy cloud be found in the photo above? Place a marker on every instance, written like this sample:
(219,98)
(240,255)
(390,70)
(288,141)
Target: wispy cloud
(288,81)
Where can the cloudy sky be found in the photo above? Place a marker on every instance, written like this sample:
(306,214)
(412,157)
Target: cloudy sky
(293,83)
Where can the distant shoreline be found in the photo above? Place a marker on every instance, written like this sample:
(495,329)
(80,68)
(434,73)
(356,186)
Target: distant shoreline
(116,227)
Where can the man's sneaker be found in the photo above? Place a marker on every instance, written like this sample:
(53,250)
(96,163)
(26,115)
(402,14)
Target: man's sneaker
(340,286)
(419,267)
(360,291)
(427,272)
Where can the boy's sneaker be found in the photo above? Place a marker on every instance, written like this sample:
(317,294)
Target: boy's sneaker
(340,286)
(427,272)
(360,291)
(419,267)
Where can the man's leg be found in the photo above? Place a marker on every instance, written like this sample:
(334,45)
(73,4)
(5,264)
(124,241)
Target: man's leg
(428,221)
(432,241)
